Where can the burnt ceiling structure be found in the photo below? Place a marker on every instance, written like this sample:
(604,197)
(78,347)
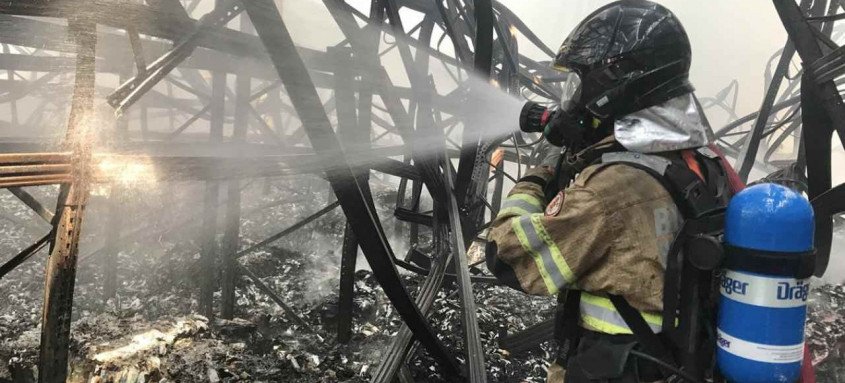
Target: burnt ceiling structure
(284,124)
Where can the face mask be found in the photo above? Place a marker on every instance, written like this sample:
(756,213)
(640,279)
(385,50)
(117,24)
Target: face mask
(565,126)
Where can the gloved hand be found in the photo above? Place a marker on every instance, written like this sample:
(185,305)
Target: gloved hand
(549,155)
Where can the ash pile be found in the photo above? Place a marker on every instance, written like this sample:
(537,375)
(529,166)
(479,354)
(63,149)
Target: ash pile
(825,332)
(151,332)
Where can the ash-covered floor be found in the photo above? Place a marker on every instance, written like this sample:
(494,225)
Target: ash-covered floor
(152,334)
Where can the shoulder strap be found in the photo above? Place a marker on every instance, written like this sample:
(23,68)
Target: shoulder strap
(689,192)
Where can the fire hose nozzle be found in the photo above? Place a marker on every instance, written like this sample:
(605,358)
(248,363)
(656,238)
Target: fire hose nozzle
(534,117)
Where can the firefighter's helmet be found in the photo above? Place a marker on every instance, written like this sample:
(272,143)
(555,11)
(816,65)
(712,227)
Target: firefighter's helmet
(629,55)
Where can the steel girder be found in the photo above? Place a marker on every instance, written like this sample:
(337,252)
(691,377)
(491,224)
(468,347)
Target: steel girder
(823,113)
(459,215)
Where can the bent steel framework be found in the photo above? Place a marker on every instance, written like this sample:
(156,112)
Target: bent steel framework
(157,47)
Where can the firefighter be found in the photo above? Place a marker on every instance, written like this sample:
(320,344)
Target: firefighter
(607,225)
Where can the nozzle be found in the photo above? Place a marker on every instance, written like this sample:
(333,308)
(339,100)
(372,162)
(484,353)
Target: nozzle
(533,118)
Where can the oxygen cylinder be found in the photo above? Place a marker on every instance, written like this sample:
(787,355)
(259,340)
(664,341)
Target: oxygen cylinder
(763,304)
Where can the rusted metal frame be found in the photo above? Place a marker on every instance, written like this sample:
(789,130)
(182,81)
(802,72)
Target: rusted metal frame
(354,134)
(144,233)
(462,50)
(114,226)
(372,32)
(748,155)
(522,28)
(190,88)
(131,91)
(365,40)
(114,223)
(346,293)
(787,132)
(27,88)
(266,90)
(354,201)
(204,168)
(425,270)
(61,266)
(171,116)
(402,345)
(420,85)
(416,197)
(137,51)
(510,58)
(830,202)
(472,334)
(530,338)
(423,109)
(33,203)
(275,99)
(727,129)
(189,122)
(469,180)
(231,234)
(24,255)
(292,316)
(799,31)
(290,229)
(33,33)
(817,132)
(263,128)
(13,104)
(464,12)
(822,112)
(210,249)
(173,7)
(427,124)
(23,181)
(144,117)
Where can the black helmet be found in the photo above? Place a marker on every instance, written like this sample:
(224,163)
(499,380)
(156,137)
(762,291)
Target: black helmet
(629,55)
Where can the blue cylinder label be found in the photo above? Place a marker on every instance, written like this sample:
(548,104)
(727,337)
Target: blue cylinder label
(779,297)
(758,290)
(760,352)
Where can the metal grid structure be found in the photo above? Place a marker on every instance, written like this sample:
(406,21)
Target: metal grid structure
(280,119)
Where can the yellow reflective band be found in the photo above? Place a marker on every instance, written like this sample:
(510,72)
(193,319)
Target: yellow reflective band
(523,240)
(605,303)
(598,325)
(556,255)
(512,211)
(532,200)
(599,314)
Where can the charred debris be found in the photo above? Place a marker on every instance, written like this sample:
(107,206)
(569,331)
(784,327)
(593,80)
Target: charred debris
(201,190)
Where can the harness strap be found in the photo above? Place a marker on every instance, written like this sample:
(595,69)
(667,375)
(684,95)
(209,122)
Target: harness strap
(567,330)
(672,286)
(650,342)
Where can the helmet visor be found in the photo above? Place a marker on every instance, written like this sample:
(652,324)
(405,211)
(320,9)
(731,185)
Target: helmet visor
(569,86)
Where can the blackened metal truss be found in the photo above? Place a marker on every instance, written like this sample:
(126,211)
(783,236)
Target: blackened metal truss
(156,47)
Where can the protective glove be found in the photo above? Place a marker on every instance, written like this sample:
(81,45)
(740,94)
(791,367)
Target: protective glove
(550,155)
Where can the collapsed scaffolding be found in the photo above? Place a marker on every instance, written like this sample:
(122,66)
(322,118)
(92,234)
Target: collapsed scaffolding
(483,37)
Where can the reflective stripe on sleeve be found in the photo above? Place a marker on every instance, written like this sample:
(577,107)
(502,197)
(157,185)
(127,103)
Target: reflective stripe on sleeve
(537,242)
(521,204)
(556,256)
(598,314)
(516,224)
